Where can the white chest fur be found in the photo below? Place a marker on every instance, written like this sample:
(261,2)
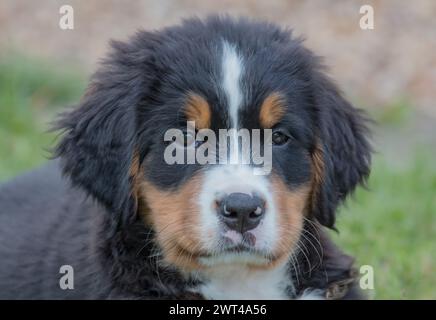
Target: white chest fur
(237,282)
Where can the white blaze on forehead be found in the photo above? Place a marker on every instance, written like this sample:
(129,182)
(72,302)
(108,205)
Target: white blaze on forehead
(231,72)
(232,66)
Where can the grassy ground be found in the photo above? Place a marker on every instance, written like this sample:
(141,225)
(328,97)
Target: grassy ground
(30,91)
(390,228)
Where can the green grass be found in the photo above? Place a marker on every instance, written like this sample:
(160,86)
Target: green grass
(396,113)
(30,91)
(392,227)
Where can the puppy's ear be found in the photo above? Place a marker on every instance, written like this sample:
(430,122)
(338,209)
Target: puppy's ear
(97,149)
(342,157)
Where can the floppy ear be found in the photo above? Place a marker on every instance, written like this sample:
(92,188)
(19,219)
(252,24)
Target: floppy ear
(98,145)
(343,155)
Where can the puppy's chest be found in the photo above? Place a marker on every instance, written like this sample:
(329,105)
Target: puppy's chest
(240,284)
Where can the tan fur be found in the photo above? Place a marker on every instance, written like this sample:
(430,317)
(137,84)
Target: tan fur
(291,206)
(317,174)
(134,173)
(197,109)
(174,216)
(271,111)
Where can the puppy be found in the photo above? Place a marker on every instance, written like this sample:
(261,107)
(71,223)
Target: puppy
(130,220)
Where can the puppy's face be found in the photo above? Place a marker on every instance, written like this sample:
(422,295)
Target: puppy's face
(237,94)
(224,211)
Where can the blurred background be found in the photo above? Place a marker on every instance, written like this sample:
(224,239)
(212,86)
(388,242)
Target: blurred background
(390,71)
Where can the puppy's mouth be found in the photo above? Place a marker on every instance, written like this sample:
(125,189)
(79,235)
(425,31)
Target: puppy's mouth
(240,248)
(237,254)
(228,250)
(241,255)
(243,249)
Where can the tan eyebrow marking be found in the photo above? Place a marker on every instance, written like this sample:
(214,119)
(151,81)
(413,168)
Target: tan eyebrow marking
(272,110)
(197,109)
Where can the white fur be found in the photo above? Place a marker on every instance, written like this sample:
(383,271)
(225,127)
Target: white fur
(228,179)
(232,66)
(236,282)
(227,281)
(312,294)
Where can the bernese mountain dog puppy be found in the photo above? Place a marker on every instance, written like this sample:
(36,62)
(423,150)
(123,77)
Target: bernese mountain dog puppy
(132,225)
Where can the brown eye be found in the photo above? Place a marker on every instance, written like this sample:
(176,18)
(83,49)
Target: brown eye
(279,138)
(185,139)
(189,140)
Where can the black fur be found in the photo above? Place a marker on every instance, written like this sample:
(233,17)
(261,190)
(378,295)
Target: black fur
(89,218)
(345,147)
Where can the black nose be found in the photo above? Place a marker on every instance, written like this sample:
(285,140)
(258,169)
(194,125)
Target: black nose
(241,212)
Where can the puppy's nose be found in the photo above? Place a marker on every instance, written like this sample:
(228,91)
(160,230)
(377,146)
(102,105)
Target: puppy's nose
(240,211)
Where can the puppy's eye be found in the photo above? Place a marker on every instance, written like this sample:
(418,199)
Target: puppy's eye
(279,138)
(185,139)
(188,140)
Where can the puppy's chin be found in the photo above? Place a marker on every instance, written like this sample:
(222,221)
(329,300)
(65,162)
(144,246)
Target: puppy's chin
(186,260)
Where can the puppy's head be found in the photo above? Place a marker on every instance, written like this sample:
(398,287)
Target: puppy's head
(246,88)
